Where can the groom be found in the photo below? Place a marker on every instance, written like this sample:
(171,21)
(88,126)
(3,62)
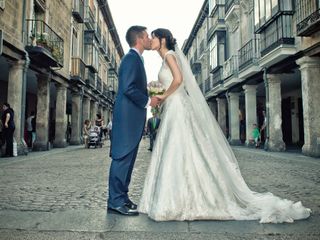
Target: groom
(128,120)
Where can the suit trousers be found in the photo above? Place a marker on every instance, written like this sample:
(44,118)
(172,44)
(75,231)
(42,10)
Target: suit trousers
(8,137)
(120,177)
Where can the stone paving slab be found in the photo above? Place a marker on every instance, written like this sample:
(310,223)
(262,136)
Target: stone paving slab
(62,194)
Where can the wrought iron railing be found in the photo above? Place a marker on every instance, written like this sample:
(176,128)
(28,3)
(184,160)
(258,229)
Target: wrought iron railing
(98,33)
(230,3)
(207,85)
(249,53)
(201,87)
(201,47)
(103,45)
(78,68)
(307,17)
(217,75)
(78,10)
(41,34)
(277,33)
(89,18)
(231,67)
(98,83)
(90,78)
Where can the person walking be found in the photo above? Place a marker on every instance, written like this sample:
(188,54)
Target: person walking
(152,126)
(8,128)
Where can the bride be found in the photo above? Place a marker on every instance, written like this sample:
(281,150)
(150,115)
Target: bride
(193,173)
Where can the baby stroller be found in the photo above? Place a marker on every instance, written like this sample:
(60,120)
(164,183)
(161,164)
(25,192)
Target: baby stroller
(94,137)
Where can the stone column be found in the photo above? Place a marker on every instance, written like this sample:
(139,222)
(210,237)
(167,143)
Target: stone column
(61,116)
(234,119)
(76,119)
(213,106)
(105,115)
(86,108)
(251,109)
(310,84)
(43,106)
(93,110)
(16,95)
(275,141)
(222,113)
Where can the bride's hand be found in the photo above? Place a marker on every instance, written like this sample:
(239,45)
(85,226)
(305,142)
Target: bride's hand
(161,98)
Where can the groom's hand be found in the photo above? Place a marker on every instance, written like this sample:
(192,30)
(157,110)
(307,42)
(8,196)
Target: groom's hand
(154,101)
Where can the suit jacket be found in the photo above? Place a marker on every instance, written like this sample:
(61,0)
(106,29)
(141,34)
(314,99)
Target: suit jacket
(129,113)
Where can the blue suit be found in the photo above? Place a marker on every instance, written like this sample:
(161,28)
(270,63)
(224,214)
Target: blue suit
(128,123)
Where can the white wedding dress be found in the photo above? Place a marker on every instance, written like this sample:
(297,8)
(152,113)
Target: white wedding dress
(193,173)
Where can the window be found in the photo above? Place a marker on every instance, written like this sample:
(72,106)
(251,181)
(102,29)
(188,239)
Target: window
(74,43)
(268,9)
(256,13)
(213,53)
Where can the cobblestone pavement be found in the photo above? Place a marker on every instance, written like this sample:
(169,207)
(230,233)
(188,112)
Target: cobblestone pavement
(61,194)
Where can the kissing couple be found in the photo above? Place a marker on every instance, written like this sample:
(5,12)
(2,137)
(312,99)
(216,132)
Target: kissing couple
(193,173)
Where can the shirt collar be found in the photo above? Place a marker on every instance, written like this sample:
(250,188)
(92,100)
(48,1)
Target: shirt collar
(137,51)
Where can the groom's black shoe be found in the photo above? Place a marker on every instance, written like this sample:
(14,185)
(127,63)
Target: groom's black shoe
(131,205)
(123,210)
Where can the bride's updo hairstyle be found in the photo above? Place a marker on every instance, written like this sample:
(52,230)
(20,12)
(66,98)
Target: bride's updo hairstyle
(165,33)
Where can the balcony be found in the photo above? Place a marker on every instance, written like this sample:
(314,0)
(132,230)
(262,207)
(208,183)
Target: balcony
(217,76)
(107,54)
(230,67)
(78,10)
(78,70)
(89,18)
(277,33)
(98,84)
(45,46)
(103,45)
(98,33)
(230,3)
(207,85)
(91,53)
(216,21)
(196,68)
(308,17)
(90,78)
(201,49)
(249,53)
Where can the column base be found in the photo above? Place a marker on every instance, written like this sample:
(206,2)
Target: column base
(311,150)
(235,142)
(41,146)
(276,146)
(60,144)
(75,142)
(22,148)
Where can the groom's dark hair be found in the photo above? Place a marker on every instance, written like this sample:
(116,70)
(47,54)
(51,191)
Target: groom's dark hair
(133,33)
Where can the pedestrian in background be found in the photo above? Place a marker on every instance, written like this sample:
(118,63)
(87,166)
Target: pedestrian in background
(86,129)
(152,126)
(256,135)
(31,128)
(8,128)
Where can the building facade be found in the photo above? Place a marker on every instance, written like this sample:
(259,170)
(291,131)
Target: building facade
(257,62)
(60,60)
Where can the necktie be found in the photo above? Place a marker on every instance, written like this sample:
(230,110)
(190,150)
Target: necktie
(142,59)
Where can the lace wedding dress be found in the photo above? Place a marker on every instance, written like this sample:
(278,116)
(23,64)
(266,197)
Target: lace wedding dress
(193,173)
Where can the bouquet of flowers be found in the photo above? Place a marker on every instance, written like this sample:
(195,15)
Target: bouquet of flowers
(155,88)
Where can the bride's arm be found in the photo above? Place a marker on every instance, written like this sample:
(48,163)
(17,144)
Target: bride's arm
(177,76)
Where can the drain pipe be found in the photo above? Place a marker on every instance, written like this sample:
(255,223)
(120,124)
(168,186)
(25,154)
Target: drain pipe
(267,114)
(24,79)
